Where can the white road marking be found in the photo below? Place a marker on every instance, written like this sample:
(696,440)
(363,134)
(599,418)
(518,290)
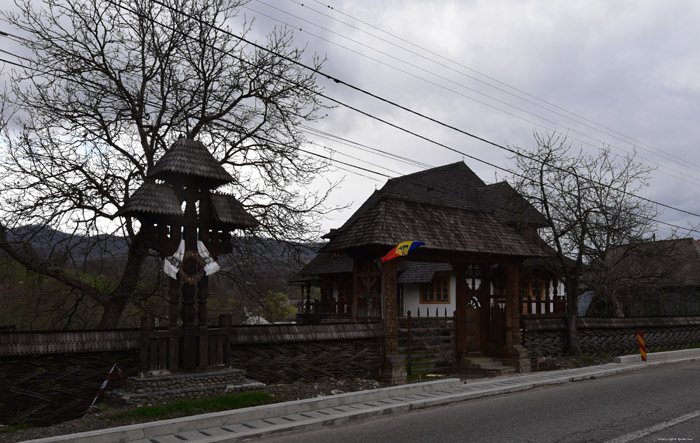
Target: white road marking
(658,427)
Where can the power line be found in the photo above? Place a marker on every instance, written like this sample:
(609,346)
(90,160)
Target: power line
(683,162)
(337,80)
(362,147)
(690,178)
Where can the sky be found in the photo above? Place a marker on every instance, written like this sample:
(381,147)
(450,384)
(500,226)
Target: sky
(624,74)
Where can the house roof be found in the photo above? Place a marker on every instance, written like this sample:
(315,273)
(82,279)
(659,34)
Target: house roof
(421,272)
(324,264)
(449,208)
(190,158)
(661,263)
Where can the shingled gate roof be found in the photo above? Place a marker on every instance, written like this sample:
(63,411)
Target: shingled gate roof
(508,205)
(449,208)
(152,198)
(190,158)
(390,222)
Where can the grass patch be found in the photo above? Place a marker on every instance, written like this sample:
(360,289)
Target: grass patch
(13,428)
(198,406)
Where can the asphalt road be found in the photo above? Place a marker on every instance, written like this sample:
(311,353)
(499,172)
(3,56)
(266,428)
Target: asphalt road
(655,405)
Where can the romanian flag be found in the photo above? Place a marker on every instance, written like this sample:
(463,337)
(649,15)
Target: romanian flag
(402,249)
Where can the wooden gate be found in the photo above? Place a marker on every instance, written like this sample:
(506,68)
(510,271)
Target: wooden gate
(428,344)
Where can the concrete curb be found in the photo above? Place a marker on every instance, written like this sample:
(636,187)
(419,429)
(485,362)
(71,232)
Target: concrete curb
(659,356)
(223,418)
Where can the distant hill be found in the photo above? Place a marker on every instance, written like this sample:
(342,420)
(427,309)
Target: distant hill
(267,253)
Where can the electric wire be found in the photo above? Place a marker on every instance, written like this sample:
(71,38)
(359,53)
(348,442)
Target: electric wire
(337,80)
(690,179)
(660,152)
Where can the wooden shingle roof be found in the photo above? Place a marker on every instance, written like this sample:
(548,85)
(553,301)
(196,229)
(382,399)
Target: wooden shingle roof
(323,264)
(152,198)
(391,221)
(226,209)
(190,158)
(508,205)
(421,272)
(449,208)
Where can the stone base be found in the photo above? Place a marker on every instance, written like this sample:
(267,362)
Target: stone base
(518,357)
(394,370)
(165,388)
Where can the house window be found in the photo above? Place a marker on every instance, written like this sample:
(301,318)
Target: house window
(437,291)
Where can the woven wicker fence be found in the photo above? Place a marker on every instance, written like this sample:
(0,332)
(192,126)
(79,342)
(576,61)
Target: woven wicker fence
(305,352)
(615,336)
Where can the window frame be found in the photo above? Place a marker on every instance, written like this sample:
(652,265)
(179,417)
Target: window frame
(435,284)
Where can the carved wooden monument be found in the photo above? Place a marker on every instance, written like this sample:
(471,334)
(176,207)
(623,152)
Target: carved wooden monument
(190,225)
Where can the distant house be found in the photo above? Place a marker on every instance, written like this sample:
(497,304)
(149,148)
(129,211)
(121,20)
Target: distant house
(481,258)
(648,279)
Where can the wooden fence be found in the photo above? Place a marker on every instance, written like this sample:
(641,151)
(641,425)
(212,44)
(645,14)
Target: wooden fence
(271,353)
(428,343)
(68,342)
(274,353)
(613,336)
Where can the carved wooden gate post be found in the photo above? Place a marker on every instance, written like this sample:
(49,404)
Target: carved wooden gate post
(393,368)
(460,270)
(514,352)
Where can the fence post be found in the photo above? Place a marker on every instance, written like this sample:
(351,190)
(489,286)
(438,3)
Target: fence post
(408,356)
(456,341)
(225,324)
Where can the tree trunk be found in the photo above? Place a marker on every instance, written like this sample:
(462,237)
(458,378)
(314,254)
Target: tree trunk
(112,311)
(571,316)
(116,301)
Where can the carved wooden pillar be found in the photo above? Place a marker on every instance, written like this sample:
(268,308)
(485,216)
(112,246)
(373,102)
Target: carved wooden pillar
(390,314)
(460,270)
(189,290)
(514,352)
(393,368)
(485,300)
(173,299)
(512,310)
(203,358)
(202,295)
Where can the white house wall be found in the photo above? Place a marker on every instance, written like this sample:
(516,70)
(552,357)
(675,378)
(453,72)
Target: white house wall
(411,301)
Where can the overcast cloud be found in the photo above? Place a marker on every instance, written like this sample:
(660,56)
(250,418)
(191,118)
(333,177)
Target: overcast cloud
(631,68)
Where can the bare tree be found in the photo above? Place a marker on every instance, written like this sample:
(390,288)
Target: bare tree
(110,86)
(590,204)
